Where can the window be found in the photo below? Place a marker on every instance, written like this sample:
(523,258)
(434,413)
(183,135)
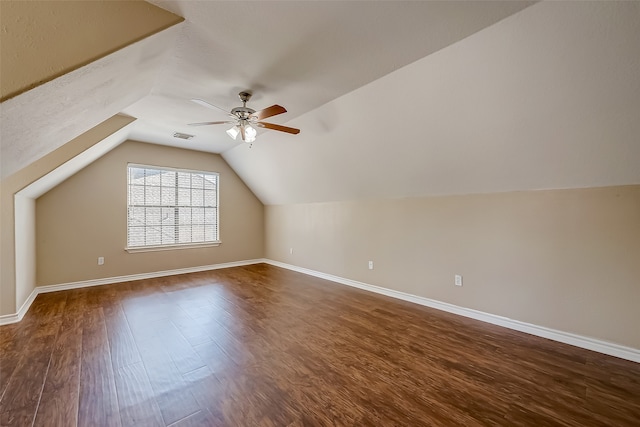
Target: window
(171,207)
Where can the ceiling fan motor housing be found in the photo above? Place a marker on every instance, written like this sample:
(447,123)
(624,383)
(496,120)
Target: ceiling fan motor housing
(242,112)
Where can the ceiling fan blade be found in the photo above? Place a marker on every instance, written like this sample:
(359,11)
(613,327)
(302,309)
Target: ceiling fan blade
(278,127)
(274,110)
(208,105)
(209,123)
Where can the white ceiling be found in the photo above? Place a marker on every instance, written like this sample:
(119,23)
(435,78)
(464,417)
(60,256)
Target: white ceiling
(298,54)
(548,98)
(394,99)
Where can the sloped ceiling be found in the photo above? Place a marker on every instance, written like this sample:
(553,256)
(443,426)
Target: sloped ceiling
(548,98)
(297,54)
(71,56)
(37,122)
(42,40)
(394,99)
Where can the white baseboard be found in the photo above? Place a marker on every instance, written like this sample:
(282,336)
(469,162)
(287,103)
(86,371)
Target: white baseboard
(141,276)
(13,318)
(588,343)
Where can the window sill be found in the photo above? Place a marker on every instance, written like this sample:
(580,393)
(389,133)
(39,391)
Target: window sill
(171,247)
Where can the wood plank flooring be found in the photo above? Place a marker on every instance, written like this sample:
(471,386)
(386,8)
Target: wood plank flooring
(263,346)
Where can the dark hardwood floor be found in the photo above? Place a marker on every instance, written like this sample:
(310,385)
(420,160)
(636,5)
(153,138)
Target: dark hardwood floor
(263,346)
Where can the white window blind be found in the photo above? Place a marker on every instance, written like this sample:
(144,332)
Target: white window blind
(169,207)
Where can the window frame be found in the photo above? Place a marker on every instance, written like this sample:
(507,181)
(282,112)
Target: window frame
(172,246)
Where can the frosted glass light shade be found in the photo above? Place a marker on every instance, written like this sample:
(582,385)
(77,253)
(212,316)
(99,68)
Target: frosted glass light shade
(249,134)
(233,132)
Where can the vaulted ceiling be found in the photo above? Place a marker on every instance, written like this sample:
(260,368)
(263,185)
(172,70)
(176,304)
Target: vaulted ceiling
(394,99)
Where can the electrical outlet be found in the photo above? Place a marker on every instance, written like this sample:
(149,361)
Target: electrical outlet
(458,280)
(290,251)
(100,260)
(370,265)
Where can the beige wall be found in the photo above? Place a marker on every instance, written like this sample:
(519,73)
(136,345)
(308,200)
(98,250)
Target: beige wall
(85,217)
(42,40)
(565,259)
(19,180)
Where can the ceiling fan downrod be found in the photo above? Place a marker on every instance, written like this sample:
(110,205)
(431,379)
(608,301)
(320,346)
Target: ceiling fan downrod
(245,97)
(243,112)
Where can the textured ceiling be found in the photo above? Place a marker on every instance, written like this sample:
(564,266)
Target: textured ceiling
(42,119)
(394,99)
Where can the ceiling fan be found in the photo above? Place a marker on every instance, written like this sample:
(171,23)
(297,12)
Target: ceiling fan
(245,119)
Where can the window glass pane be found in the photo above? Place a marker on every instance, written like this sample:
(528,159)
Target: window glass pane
(184,180)
(209,216)
(166,207)
(136,195)
(184,197)
(168,235)
(197,180)
(197,215)
(184,234)
(136,236)
(209,182)
(168,216)
(197,198)
(197,233)
(153,216)
(152,196)
(209,198)
(184,216)
(168,196)
(209,233)
(153,177)
(169,179)
(136,216)
(154,236)
(136,175)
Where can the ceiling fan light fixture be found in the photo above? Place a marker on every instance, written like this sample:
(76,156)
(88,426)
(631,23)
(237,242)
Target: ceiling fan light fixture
(249,133)
(233,132)
(243,117)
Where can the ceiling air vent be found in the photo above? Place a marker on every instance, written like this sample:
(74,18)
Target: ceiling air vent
(182,135)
